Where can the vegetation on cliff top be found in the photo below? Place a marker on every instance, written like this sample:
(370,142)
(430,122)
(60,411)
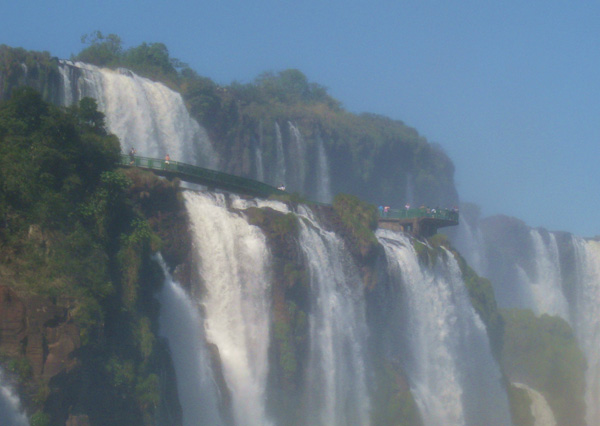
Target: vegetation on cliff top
(372,156)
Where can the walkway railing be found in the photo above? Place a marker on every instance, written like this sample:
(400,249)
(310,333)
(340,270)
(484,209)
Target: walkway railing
(200,175)
(443,214)
(216,179)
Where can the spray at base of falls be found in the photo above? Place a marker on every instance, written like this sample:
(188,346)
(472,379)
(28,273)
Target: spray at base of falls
(233,265)
(182,326)
(10,406)
(443,346)
(144,114)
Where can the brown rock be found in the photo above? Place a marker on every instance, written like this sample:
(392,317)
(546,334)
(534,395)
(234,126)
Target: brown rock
(13,325)
(78,420)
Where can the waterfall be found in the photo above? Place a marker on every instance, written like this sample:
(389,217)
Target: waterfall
(469,240)
(260,171)
(444,346)
(280,171)
(546,288)
(144,114)
(587,320)
(298,157)
(542,413)
(10,406)
(323,192)
(233,264)
(182,326)
(337,393)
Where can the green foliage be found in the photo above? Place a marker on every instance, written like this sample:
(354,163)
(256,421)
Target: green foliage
(542,352)
(101,50)
(71,231)
(290,334)
(393,403)
(20,366)
(358,220)
(481,293)
(40,419)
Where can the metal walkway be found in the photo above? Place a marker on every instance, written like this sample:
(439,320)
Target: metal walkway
(207,177)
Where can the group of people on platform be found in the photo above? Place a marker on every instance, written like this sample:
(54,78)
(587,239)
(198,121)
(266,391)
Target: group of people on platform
(133,151)
(384,211)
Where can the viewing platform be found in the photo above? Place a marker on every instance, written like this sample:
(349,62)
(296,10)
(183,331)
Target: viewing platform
(210,178)
(422,221)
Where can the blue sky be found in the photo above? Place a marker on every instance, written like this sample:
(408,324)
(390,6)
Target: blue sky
(510,90)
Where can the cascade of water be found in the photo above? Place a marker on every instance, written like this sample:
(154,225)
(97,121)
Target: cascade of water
(182,326)
(10,406)
(587,320)
(233,264)
(280,171)
(260,171)
(337,391)
(298,154)
(469,240)
(546,289)
(143,114)
(445,349)
(542,413)
(323,178)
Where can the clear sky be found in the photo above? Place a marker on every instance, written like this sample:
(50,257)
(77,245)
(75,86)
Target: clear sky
(510,90)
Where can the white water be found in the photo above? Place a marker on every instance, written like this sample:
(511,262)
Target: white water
(280,170)
(546,287)
(233,263)
(337,393)
(297,158)
(444,346)
(260,169)
(541,411)
(471,245)
(144,114)
(587,320)
(11,413)
(323,192)
(182,325)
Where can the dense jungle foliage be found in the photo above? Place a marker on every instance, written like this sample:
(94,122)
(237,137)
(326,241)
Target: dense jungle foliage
(72,231)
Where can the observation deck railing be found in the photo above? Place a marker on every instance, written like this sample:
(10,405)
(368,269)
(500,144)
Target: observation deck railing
(202,176)
(422,212)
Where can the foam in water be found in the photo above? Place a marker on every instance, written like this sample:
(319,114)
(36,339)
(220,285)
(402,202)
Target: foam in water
(144,114)
(182,326)
(10,406)
(233,263)
(444,346)
(336,375)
